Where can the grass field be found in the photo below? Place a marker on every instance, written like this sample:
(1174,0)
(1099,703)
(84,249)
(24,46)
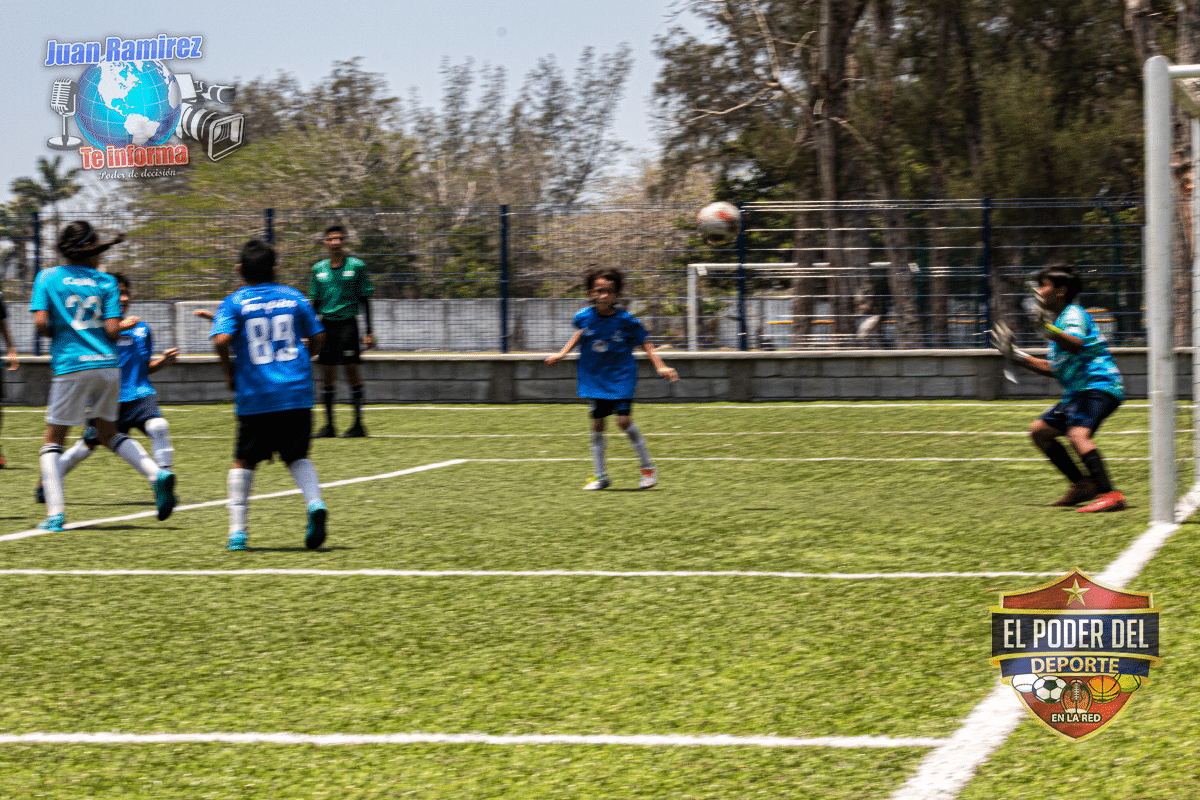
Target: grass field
(798,610)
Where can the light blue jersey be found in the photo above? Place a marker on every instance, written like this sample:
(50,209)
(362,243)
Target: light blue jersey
(272,366)
(135,348)
(78,299)
(1093,367)
(607,369)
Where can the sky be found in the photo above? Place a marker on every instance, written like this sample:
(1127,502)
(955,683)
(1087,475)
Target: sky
(405,42)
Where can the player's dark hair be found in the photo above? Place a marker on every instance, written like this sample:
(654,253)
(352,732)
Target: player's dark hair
(1062,274)
(122,280)
(607,273)
(79,241)
(258,262)
(336,229)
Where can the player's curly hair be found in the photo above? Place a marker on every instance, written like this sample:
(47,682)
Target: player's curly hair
(79,241)
(1061,273)
(606,273)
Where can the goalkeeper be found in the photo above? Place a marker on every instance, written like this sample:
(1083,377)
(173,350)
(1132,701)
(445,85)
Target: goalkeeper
(1079,359)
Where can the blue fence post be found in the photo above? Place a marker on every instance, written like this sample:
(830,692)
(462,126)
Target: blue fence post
(504,279)
(269,225)
(37,267)
(743,339)
(986,289)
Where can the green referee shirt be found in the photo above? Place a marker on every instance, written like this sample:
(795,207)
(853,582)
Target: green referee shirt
(335,292)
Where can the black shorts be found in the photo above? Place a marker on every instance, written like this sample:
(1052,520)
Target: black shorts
(604,408)
(136,413)
(1085,410)
(341,342)
(285,432)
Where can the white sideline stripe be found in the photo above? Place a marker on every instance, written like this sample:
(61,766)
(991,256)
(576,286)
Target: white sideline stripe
(795,459)
(70,526)
(334,739)
(946,770)
(545,573)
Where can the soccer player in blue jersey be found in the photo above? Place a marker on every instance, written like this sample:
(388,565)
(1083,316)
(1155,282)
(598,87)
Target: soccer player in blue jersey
(1079,359)
(607,370)
(259,334)
(79,309)
(139,400)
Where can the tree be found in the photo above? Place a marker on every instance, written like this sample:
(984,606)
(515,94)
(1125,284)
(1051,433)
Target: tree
(48,188)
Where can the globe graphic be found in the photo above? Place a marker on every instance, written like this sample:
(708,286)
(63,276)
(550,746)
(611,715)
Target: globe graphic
(128,102)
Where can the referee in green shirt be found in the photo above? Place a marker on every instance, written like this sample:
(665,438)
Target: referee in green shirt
(339,284)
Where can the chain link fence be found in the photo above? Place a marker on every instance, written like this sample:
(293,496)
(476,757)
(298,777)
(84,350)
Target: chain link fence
(802,276)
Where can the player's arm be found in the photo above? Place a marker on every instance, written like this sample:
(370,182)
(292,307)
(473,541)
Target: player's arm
(112,328)
(203,313)
(368,338)
(567,348)
(41,321)
(1039,365)
(1072,344)
(316,342)
(128,323)
(166,360)
(661,368)
(223,344)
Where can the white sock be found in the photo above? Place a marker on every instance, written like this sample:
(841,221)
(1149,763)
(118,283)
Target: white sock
(598,441)
(52,480)
(160,442)
(135,455)
(71,459)
(304,473)
(239,483)
(638,443)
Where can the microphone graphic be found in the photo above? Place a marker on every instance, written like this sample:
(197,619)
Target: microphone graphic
(63,98)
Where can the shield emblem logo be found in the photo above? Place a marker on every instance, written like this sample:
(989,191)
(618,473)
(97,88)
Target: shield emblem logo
(1075,651)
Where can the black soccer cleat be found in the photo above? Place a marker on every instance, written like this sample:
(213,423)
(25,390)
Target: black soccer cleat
(325,433)
(356,431)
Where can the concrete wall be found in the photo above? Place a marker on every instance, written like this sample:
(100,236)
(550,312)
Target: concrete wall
(705,377)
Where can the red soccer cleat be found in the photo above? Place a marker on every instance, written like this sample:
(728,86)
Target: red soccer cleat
(1109,501)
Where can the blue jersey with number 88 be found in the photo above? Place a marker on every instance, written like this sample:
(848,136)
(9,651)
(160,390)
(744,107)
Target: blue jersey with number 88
(78,299)
(272,366)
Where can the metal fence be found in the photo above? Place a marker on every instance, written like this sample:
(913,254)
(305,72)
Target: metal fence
(849,275)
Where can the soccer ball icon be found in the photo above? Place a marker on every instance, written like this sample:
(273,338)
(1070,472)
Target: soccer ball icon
(1049,688)
(719,222)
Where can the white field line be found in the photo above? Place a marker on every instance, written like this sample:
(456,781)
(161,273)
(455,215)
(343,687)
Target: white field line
(949,767)
(225,501)
(342,739)
(546,573)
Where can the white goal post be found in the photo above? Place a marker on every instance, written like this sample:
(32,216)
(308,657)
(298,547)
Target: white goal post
(1160,80)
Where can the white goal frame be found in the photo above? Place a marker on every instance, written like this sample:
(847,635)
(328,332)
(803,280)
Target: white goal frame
(1160,79)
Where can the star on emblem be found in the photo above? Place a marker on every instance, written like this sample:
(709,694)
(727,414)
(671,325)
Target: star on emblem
(1076,594)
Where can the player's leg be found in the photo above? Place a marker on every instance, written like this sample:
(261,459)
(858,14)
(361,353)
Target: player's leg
(1093,408)
(72,458)
(247,452)
(356,398)
(70,396)
(649,476)
(1045,433)
(599,410)
(293,432)
(157,428)
(328,395)
(137,414)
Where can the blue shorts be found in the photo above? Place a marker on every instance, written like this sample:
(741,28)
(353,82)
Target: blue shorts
(1085,410)
(136,413)
(604,408)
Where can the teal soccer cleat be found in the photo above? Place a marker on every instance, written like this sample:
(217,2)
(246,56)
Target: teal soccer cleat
(315,536)
(164,494)
(237,541)
(53,523)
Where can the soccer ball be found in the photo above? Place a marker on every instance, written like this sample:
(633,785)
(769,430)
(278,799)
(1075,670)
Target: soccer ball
(1049,689)
(719,223)
(1024,682)
(1128,683)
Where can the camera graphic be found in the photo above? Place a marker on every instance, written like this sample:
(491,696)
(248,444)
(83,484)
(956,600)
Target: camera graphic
(219,132)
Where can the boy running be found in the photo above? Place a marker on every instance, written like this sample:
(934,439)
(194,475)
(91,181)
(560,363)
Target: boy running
(1078,358)
(258,333)
(339,285)
(139,400)
(79,309)
(607,370)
